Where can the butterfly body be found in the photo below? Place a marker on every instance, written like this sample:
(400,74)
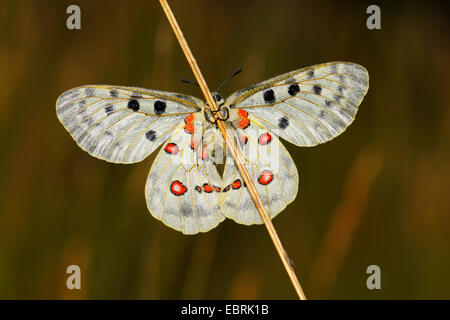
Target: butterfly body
(184,188)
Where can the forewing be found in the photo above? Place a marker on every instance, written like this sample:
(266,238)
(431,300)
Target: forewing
(122,124)
(180,186)
(271,169)
(308,106)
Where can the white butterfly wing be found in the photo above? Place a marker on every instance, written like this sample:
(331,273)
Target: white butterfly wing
(180,186)
(271,169)
(308,106)
(122,124)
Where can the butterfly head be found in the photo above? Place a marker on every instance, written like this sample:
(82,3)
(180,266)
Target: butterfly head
(222,112)
(218,98)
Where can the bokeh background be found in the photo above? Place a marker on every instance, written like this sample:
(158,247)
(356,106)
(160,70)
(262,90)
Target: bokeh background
(377,194)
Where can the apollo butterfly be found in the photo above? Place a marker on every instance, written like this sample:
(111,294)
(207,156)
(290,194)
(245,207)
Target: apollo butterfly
(184,189)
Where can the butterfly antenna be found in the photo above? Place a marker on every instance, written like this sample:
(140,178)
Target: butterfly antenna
(225,81)
(190,82)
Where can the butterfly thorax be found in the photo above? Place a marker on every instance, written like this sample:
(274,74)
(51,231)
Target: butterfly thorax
(222,114)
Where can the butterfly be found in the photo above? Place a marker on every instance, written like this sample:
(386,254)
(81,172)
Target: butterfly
(184,189)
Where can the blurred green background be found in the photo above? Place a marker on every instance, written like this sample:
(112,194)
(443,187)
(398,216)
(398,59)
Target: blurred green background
(377,194)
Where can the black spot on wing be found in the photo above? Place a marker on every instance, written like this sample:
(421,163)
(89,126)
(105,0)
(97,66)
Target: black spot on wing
(109,109)
(293,89)
(159,107)
(114,93)
(310,74)
(283,122)
(133,105)
(317,89)
(269,96)
(150,135)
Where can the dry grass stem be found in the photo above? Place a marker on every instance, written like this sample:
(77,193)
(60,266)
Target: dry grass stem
(234,151)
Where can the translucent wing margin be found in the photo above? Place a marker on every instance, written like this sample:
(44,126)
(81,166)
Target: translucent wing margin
(308,106)
(122,124)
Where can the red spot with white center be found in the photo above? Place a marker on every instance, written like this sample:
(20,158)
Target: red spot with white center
(177,188)
(265,138)
(266,177)
(207,188)
(171,148)
(236,184)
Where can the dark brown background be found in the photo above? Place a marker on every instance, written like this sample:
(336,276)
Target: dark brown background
(377,194)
